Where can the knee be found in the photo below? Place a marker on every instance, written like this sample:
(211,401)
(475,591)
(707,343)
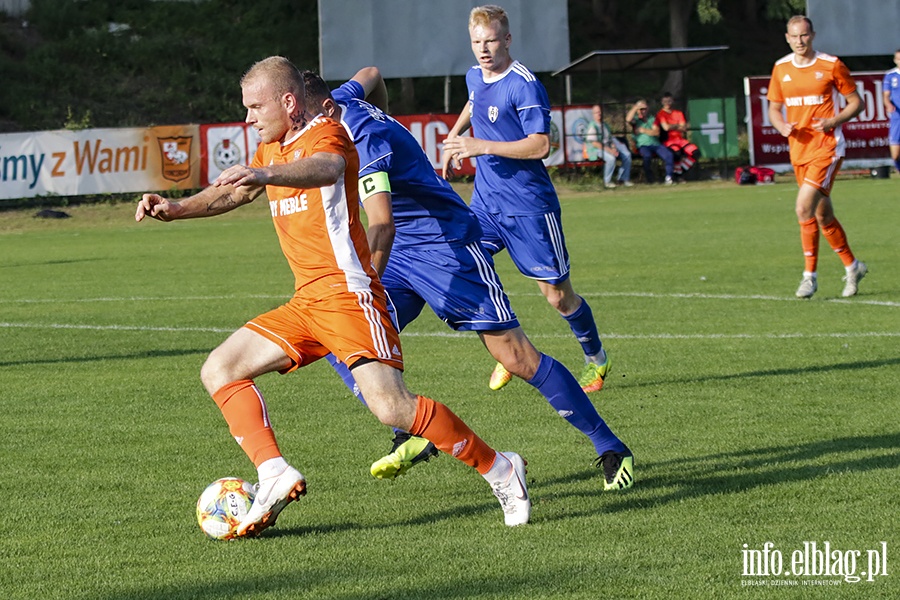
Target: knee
(824,221)
(557,301)
(394,406)
(518,356)
(564,301)
(384,413)
(213,374)
(523,366)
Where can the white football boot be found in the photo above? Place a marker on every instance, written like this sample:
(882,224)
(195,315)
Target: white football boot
(512,493)
(272,496)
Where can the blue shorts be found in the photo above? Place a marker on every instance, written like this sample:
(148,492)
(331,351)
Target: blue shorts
(536,243)
(459,284)
(894,129)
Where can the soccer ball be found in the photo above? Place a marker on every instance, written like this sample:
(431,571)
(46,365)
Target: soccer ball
(222,505)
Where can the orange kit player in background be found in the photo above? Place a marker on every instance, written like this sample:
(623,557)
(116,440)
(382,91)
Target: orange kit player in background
(805,81)
(308,166)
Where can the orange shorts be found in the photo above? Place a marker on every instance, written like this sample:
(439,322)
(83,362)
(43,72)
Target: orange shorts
(819,173)
(349,325)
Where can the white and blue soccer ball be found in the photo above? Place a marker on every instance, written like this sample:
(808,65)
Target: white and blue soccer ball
(222,506)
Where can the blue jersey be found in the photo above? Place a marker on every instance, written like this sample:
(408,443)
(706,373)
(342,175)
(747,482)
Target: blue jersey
(892,85)
(507,108)
(426,209)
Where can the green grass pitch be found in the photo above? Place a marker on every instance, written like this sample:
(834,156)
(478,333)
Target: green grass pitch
(754,417)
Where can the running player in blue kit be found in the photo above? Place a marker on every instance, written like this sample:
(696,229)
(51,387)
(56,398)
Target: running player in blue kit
(891,93)
(514,199)
(425,242)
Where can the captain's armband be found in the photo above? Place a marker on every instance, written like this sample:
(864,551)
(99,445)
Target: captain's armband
(374,183)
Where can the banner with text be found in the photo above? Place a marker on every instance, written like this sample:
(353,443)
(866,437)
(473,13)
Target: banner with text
(866,135)
(98,161)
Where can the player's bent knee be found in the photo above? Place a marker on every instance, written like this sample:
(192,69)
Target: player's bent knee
(212,375)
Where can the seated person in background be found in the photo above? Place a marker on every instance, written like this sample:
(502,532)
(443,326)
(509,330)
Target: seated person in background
(599,143)
(674,129)
(646,138)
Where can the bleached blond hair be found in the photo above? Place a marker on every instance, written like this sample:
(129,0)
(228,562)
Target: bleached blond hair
(488,14)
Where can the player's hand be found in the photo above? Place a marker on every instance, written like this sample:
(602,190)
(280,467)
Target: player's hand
(785,129)
(156,207)
(449,162)
(822,125)
(239,175)
(459,148)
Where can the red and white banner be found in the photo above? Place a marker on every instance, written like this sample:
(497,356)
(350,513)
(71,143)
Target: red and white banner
(225,145)
(430,130)
(101,161)
(866,135)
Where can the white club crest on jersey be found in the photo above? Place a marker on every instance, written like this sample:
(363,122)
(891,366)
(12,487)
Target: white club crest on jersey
(493,113)
(819,74)
(786,78)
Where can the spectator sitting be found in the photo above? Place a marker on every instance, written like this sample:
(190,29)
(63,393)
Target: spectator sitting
(599,143)
(646,138)
(674,129)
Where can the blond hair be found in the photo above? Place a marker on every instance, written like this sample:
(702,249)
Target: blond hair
(487,15)
(799,19)
(280,73)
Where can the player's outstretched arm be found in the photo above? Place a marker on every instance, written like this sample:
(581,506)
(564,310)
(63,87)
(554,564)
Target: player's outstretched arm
(319,170)
(373,83)
(534,147)
(211,201)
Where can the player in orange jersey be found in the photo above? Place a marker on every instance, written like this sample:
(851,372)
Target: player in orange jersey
(308,166)
(804,82)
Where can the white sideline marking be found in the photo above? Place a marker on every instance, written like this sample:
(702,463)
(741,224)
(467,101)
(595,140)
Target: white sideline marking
(111,327)
(463,334)
(684,296)
(140,299)
(456,334)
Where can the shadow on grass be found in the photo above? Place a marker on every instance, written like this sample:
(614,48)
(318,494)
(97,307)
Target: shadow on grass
(96,358)
(316,582)
(44,263)
(850,366)
(684,478)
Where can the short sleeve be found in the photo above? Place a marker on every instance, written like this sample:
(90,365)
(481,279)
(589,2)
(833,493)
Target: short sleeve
(533,108)
(775,94)
(843,81)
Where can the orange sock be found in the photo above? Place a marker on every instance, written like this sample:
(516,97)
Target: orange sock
(836,237)
(248,420)
(809,240)
(440,426)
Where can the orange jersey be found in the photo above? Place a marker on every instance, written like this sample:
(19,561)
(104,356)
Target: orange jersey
(319,228)
(676,117)
(809,92)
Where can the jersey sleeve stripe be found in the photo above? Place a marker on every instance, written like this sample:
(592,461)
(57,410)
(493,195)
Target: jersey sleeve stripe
(524,72)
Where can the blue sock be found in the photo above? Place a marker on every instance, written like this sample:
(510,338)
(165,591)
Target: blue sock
(349,381)
(897,165)
(564,394)
(582,324)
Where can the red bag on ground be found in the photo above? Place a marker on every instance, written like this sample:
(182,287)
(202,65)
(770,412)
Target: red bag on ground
(753,175)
